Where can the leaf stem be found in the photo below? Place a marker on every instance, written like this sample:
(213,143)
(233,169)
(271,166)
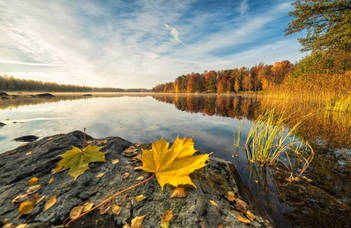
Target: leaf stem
(110,198)
(85,139)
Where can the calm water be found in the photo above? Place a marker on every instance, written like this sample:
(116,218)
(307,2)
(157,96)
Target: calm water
(211,120)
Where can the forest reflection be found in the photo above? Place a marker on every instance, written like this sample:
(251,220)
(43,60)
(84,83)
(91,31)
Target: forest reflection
(321,126)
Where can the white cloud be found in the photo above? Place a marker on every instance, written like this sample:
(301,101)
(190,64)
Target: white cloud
(126,46)
(244,6)
(174,32)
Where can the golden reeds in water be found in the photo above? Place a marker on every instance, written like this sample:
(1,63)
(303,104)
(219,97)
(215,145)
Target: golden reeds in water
(269,142)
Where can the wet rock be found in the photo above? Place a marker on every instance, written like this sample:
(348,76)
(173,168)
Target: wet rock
(195,210)
(27,138)
(2,124)
(43,95)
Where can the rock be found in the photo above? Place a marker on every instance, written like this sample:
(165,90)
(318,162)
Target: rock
(213,182)
(2,124)
(43,95)
(27,138)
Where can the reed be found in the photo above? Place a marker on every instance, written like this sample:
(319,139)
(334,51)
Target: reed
(236,137)
(269,142)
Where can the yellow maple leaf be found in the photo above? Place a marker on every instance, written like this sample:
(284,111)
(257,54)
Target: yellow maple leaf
(77,160)
(173,165)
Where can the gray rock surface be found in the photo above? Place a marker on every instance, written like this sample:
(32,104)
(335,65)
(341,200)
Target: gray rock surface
(26,138)
(37,159)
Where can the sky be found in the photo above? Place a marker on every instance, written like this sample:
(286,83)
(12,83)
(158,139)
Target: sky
(139,43)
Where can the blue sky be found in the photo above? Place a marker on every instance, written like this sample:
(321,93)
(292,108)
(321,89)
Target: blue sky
(139,43)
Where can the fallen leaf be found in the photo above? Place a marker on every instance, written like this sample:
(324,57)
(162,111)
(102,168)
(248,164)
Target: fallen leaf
(115,161)
(231,196)
(40,199)
(126,226)
(213,203)
(35,198)
(137,157)
(77,160)
(102,141)
(240,205)
(50,202)
(33,189)
(173,165)
(140,178)
(138,143)
(178,193)
(75,212)
(250,215)
(19,198)
(29,153)
(125,175)
(116,210)
(243,220)
(87,206)
(105,207)
(22,225)
(166,218)
(138,168)
(137,222)
(33,181)
(130,149)
(26,207)
(140,198)
(9,225)
(220,226)
(100,175)
(51,180)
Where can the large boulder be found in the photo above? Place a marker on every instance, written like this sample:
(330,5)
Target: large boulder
(206,206)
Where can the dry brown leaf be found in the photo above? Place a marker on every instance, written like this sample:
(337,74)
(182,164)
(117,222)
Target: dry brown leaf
(166,218)
(51,180)
(137,222)
(241,205)
(50,202)
(178,193)
(104,141)
(125,175)
(26,207)
(115,161)
(22,225)
(19,198)
(213,203)
(105,207)
(75,212)
(220,226)
(137,157)
(9,225)
(116,210)
(250,215)
(138,143)
(140,178)
(243,220)
(231,196)
(87,206)
(100,175)
(40,199)
(140,198)
(33,189)
(138,168)
(29,153)
(33,181)
(35,198)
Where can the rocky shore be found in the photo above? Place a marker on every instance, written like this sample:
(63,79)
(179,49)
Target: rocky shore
(220,199)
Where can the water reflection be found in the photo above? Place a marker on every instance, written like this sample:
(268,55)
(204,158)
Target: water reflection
(205,117)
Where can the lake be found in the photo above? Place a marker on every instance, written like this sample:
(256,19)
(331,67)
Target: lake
(322,199)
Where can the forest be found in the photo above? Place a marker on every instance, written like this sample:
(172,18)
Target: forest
(9,83)
(325,71)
